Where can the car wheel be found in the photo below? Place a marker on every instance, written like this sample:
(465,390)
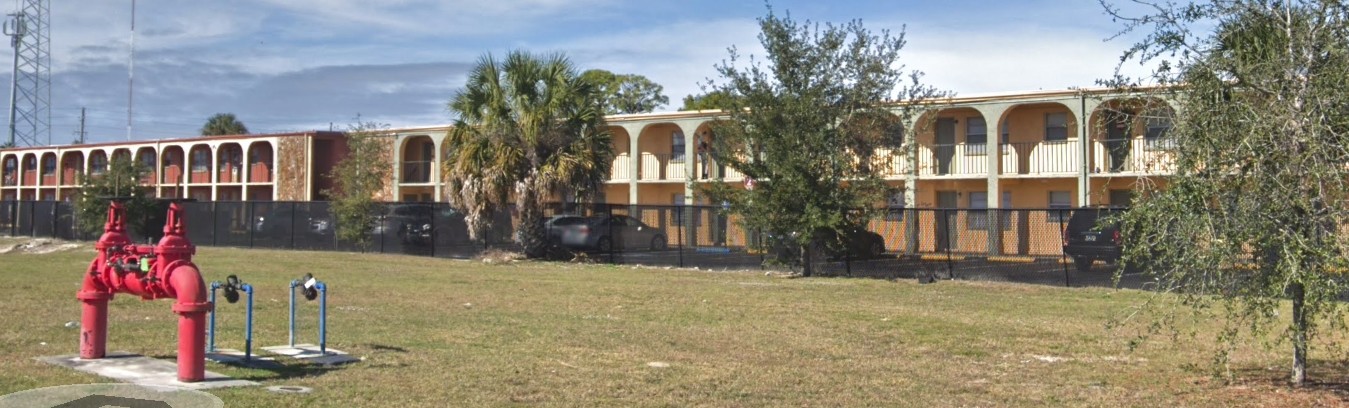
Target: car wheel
(658,243)
(604,244)
(1083,263)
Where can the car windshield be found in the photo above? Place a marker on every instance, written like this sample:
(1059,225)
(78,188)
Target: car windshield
(569,221)
(1085,219)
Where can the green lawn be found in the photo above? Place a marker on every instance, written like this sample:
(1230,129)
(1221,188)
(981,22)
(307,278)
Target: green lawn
(460,333)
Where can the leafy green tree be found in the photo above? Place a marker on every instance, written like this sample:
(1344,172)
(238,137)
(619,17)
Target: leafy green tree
(707,101)
(1254,215)
(826,91)
(529,130)
(223,124)
(357,178)
(626,93)
(121,180)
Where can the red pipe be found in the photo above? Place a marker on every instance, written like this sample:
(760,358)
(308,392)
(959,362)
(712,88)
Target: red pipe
(94,314)
(171,273)
(189,289)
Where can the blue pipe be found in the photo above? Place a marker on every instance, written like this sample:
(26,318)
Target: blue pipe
(248,326)
(210,330)
(323,317)
(293,284)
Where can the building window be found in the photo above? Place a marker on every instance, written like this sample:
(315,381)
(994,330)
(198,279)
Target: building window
(200,161)
(1060,202)
(98,164)
(678,200)
(148,160)
(677,145)
(1056,126)
(49,166)
(1158,123)
(894,205)
(976,135)
(978,210)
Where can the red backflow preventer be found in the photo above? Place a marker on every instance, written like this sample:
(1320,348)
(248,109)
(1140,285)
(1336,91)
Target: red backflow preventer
(151,272)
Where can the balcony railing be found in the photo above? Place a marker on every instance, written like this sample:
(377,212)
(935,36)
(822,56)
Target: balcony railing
(661,167)
(621,167)
(958,159)
(416,172)
(1133,156)
(1041,158)
(11,180)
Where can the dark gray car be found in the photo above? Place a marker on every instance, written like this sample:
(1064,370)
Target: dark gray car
(606,232)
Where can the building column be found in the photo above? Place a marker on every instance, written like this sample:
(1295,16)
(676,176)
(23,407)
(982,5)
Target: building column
(1082,111)
(911,182)
(993,154)
(634,162)
(398,166)
(437,182)
(689,128)
(212,171)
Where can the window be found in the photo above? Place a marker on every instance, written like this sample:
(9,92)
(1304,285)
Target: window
(677,145)
(978,212)
(30,164)
(1056,126)
(49,166)
(98,164)
(678,200)
(148,159)
(976,135)
(1059,200)
(1158,123)
(894,205)
(199,161)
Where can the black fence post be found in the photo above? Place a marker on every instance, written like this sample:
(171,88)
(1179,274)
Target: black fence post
(683,223)
(613,243)
(950,263)
(249,222)
(1063,260)
(292,224)
(54,224)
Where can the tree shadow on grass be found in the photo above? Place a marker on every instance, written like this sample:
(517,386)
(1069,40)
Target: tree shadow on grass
(1323,377)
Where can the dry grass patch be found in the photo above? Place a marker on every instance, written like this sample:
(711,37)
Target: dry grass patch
(444,332)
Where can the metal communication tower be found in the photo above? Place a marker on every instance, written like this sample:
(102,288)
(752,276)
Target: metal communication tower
(30,86)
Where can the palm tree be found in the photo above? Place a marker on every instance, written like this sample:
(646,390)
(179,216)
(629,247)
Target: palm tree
(223,124)
(528,130)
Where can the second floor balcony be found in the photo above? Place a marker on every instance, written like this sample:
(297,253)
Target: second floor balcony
(1133,156)
(415,172)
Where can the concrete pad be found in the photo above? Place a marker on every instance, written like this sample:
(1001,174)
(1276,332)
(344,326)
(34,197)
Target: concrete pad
(310,353)
(141,370)
(236,358)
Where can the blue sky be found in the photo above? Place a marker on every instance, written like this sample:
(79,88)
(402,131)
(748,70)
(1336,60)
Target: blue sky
(293,65)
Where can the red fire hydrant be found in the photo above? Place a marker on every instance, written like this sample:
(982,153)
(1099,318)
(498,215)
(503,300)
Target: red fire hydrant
(152,272)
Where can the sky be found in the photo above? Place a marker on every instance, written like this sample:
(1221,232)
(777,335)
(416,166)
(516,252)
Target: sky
(298,65)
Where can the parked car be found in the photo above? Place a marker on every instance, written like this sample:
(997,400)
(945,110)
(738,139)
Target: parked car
(422,224)
(282,218)
(1092,234)
(605,233)
(858,243)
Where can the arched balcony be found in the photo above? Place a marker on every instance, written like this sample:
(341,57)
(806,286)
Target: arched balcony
(229,163)
(260,162)
(199,164)
(72,165)
(148,159)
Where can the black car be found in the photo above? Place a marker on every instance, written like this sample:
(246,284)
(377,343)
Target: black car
(1093,234)
(857,243)
(423,224)
(283,218)
(605,233)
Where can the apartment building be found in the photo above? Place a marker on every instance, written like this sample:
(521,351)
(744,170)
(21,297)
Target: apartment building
(1029,150)
(289,166)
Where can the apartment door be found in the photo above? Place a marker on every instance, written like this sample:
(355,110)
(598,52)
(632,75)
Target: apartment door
(945,145)
(946,216)
(1117,139)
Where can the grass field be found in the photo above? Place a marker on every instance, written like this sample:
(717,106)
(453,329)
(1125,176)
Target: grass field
(439,332)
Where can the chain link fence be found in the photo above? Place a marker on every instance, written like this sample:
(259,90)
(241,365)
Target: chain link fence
(1020,245)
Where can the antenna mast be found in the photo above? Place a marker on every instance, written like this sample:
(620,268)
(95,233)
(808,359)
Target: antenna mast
(30,84)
